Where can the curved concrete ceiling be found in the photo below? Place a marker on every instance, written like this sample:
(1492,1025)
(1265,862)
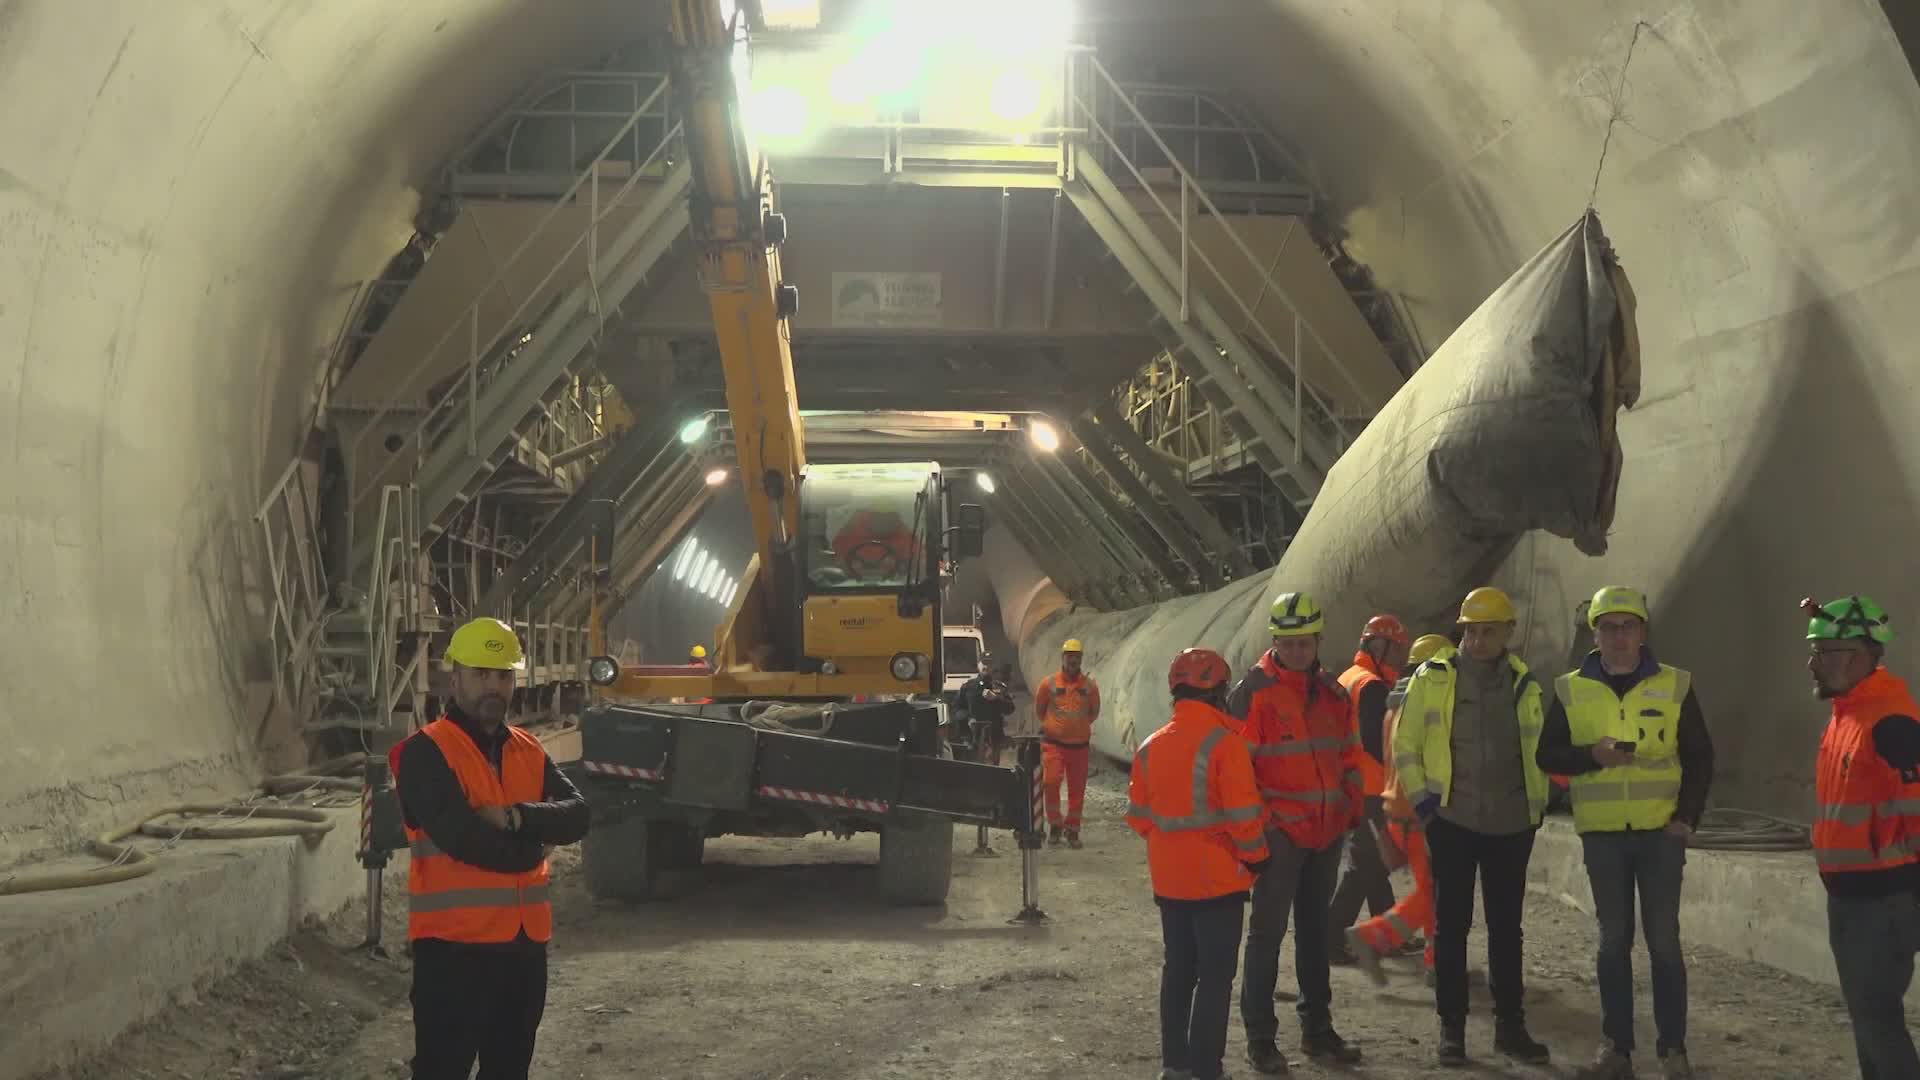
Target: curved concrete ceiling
(197,184)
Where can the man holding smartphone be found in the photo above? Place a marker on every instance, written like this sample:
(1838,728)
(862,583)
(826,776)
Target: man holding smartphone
(1628,731)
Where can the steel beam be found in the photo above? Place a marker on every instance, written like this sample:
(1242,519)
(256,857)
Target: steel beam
(1152,567)
(1050,557)
(1091,566)
(1179,538)
(563,533)
(1226,551)
(1066,524)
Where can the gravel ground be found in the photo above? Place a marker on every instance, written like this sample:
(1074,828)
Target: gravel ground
(786,967)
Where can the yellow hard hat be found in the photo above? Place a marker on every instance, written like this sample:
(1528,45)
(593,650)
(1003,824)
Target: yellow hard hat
(486,643)
(1486,604)
(1072,645)
(699,652)
(1616,600)
(1426,647)
(1294,614)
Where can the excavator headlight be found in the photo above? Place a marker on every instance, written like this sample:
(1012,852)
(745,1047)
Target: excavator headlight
(603,671)
(905,666)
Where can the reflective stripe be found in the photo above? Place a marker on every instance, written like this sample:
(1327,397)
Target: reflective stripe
(1250,845)
(1403,761)
(1201,817)
(1602,791)
(1298,746)
(424,847)
(1402,933)
(1309,796)
(453,899)
(1435,718)
(1850,814)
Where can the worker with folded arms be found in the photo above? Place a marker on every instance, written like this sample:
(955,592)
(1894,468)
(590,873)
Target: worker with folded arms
(1376,667)
(1401,842)
(1191,794)
(481,804)
(1464,749)
(1866,835)
(1306,759)
(1628,733)
(1067,704)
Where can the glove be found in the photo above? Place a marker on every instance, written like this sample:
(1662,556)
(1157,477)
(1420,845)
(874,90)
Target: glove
(1427,807)
(1257,868)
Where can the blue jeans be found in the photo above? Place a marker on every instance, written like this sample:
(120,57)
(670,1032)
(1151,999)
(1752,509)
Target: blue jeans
(1652,861)
(1874,939)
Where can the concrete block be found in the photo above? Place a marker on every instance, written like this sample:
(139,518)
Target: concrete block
(80,966)
(1766,907)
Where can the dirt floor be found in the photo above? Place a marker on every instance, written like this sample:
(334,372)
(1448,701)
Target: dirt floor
(786,967)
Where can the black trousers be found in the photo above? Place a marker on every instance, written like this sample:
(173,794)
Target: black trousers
(1300,882)
(476,1002)
(1501,863)
(1196,982)
(1365,880)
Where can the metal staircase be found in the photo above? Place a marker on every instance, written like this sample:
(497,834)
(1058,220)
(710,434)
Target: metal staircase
(509,402)
(1254,383)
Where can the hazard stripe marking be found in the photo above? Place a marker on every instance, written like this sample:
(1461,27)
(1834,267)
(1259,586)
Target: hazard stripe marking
(821,798)
(624,771)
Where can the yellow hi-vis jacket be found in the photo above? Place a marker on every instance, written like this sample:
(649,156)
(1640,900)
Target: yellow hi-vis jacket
(1645,794)
(1422,737)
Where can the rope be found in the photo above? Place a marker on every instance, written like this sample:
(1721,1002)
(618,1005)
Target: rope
(1744,830)
(125,862)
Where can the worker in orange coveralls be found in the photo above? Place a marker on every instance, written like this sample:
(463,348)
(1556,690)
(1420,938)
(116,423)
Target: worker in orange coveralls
(1191,794)
(1402,842)
(1067,703)
(1376,666)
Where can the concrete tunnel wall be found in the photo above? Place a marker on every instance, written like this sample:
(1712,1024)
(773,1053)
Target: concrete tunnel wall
(196,186)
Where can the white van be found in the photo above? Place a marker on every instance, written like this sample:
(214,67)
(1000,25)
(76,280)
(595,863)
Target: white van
(961,648)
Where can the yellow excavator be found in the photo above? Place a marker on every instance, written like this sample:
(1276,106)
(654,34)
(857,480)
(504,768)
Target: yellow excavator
(820,706)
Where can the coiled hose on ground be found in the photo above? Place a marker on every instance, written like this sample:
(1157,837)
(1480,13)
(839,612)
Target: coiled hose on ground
(125,862)
(1724,829)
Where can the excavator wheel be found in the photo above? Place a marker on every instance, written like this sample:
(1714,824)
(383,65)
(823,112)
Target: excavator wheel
(916,859)
(635,860)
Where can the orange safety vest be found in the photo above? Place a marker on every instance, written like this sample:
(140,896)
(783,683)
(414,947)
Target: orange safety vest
(1192,795)
(452,900)
(1305,752)
(1067,709)
(1869,815)
(1365,672)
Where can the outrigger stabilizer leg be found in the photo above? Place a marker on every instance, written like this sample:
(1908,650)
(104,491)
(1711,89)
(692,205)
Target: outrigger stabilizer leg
(1031,837)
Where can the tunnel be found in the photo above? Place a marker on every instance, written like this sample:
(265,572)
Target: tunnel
(260,256)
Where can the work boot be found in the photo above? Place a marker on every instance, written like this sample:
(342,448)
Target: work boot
(1175,1074)
(1453,1045)
(1053,836)
(1266,1058)
(1511,1039)
(1073,839)
(1608,1064)
(1675,1066)
(1364,956)
(1327,1043)
(1412,947)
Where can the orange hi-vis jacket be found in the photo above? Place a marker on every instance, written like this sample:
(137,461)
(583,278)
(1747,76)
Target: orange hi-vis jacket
(1306,753)
(1067,708)
(1365,671)
(1192,795)
(1869,817)
(454,901)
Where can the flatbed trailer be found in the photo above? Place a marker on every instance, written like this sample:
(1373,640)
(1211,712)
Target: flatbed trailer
(661,779)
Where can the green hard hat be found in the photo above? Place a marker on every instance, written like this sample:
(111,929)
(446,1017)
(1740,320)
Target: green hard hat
(1850,617)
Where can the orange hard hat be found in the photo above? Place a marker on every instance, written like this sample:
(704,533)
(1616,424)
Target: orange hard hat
(1385,626)
(1202,669)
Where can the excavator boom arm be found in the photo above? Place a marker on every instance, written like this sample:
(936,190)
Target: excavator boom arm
(738,236)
